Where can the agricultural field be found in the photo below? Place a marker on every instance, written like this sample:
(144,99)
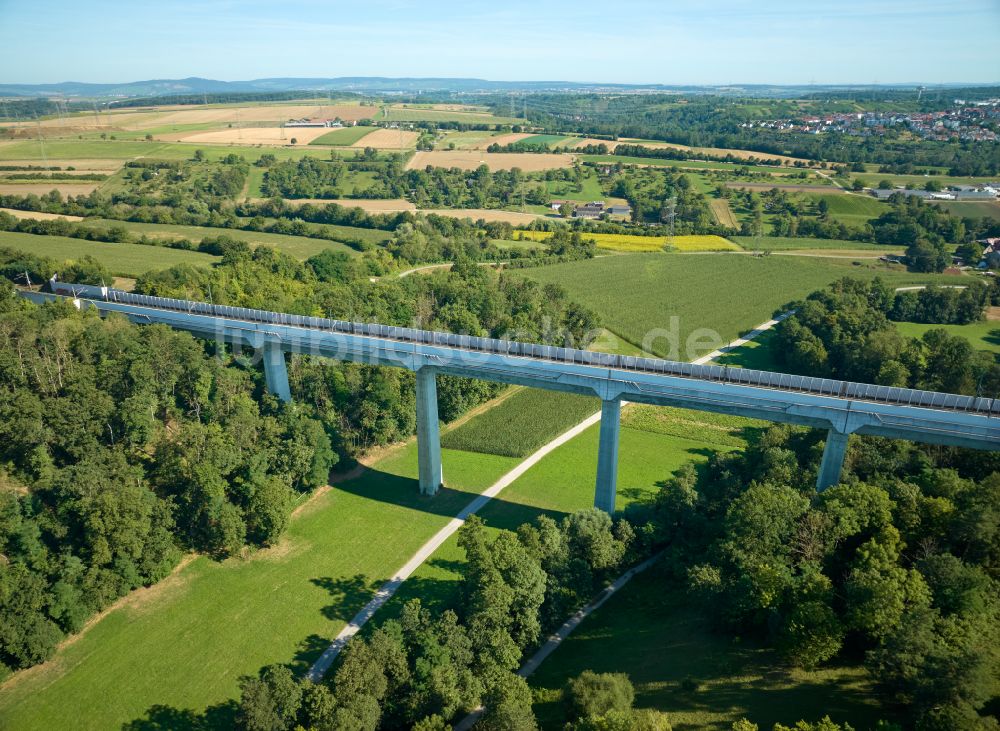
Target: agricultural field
(399,113)
(983,335)
(125,260)
(632,243)
(788,243)
(388,139)
(472,140)
(670,298)
(472,159)
(269,136)
(38,215)
(343,137)
(301,247)
(723,213)
(41,187)
(701,678)
(521,423)
(551,141)
(972,209)
(757,354)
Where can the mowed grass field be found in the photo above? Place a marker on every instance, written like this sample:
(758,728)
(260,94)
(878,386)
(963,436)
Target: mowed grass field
(983,335)
(972,209)
(185,643)
(301,247)
(124,260)
(671,298)
(521,423)
(631,244)
(665,643)
(343,137)
(852,210)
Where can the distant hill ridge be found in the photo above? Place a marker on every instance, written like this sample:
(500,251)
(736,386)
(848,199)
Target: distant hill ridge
(196,85)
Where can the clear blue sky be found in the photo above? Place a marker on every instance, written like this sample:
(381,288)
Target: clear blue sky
(640,41)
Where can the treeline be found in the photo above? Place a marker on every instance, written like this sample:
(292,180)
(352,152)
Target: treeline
(924,229)
(120,448)
(671,153)
(897,565)
(845,332)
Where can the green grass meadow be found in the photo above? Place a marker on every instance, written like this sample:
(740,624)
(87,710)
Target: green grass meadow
(983,335)
(184,643)
(125,260)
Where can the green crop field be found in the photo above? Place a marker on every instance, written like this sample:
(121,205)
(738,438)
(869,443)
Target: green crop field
(972,209)
(983,335)
(702,679)
(787,243)
(184,643)
(548,140)
(521,423)
(639,294)
(398,114)
(125,260)
(301,247)
(343,137)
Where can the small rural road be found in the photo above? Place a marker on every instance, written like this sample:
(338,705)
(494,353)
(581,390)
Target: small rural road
(389,588)
(755,333)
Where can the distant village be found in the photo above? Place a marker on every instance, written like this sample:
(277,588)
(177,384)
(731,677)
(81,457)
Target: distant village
(976,122)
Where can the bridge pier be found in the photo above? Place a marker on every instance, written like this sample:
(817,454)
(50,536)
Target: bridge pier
(833,459)
(428,433)
(275,371)
(607,455)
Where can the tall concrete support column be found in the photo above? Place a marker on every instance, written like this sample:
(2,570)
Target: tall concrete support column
(607,456)
(833,459)
(428,433)
(275,372)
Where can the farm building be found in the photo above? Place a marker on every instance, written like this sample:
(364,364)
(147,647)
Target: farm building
(594,210)
(312,123)
(620,209)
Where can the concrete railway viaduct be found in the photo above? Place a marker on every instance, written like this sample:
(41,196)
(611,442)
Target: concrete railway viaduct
(841,408)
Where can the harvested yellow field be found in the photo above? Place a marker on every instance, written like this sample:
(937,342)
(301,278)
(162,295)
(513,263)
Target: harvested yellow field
(90,165)
(715,151)
(586,141)
(502,140)
(388,139)
(221,115)
(472,159)
(38,215)
(723,213)
(485,214)
(635,244)
(257,136)
(44,186)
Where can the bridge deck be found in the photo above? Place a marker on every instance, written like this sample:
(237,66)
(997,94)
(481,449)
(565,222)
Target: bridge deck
(654,366)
